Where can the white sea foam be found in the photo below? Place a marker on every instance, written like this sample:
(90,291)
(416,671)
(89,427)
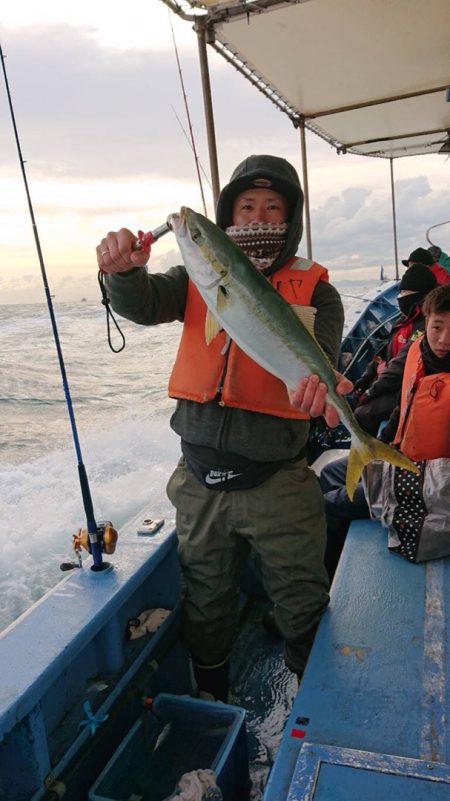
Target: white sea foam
(41,506)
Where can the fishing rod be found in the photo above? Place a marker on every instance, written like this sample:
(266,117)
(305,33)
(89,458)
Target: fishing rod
(102,534)
(366,300)
(188,115)
(191,146)
(438,225)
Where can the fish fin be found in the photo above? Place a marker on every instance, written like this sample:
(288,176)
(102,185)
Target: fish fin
(227,344)
(221,300)
(212,327)
(306,315)
(365,450)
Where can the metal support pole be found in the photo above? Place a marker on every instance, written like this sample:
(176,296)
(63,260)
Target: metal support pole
(394,220)
(207,101)
(305,189)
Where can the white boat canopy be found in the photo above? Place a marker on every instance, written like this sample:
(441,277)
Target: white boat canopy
(371,77)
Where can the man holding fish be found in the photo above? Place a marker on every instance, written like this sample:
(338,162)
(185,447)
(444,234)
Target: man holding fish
(261,331)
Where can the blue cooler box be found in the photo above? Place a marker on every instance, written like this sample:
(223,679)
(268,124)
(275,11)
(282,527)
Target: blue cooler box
(179,735)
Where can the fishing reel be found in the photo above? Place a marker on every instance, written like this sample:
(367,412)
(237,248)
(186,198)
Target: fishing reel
(107,537)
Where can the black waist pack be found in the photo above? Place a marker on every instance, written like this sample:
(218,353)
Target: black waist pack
(226,472)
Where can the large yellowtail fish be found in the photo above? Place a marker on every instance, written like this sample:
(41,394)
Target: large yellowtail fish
(244,303)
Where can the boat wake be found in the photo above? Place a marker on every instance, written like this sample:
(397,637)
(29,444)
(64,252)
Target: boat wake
(41,507)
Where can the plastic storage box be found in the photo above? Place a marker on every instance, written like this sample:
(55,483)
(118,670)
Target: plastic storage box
(179,735)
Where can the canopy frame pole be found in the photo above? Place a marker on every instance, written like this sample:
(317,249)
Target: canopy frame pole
(305,187)
(200,29)
(394,218)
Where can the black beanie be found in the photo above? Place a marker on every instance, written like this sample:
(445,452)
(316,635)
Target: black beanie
(418,278)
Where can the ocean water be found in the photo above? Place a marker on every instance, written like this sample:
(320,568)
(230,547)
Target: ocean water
(122,413)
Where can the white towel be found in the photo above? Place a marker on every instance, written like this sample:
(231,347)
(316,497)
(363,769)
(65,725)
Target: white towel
(198,785)
(146,623)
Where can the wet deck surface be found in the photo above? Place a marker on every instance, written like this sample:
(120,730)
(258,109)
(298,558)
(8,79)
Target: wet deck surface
(265,688)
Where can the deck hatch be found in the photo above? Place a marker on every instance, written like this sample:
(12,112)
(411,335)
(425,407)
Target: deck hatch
(325,773)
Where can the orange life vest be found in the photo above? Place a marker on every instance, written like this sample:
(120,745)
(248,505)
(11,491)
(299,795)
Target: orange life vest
(424,427)
(201,371)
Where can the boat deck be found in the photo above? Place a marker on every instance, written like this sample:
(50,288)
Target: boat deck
(371,715)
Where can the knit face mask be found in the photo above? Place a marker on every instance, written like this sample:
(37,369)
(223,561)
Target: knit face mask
(261,242)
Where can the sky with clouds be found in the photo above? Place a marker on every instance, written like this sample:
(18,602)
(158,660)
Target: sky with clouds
(102,128)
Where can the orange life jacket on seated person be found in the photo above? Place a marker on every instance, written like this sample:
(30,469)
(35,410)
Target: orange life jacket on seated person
(424,428)
(201,371)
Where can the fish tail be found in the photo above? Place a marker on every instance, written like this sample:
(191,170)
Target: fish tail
(366,449)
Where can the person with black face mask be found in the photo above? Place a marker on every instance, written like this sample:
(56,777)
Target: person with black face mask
(431,259)
(376,394)
(419,426)
(373,406)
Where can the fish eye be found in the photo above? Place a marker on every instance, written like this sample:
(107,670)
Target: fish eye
(195,234)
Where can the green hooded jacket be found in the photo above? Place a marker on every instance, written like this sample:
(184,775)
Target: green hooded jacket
(149,299)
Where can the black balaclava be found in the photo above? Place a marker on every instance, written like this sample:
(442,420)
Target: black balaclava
(420,280)
(408,302)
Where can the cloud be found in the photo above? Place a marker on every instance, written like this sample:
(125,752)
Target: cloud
(104,149)
(86,111)
(27,287)
(356,226)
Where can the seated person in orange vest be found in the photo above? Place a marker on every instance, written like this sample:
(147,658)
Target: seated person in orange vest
(427,258)
(243,481)
(416,508)
(375,398)
(420,427)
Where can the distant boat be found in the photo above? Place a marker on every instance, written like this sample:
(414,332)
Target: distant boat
(83,300)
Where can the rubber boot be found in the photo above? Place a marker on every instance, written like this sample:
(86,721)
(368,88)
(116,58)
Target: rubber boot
(269,623)
(212,680)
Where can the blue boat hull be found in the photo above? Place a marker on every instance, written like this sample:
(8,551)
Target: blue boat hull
(372,710)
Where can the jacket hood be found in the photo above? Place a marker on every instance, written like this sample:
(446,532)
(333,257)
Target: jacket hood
(266,172)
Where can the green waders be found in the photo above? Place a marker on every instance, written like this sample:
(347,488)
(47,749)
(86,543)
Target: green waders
(283,521)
